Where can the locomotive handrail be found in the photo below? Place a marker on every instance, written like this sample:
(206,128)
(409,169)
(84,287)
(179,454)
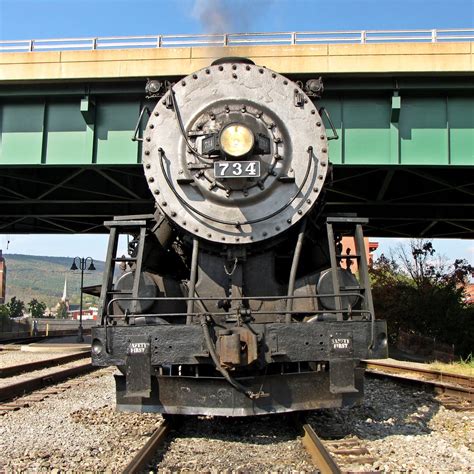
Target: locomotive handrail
(223,313)
(135,137)
(236,298)
(105,318)
(240,39)
(334,136)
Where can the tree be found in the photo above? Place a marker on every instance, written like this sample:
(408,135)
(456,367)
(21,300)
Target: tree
(5,322)
(419,293)
(15,308)
(4,313)
(36,308)
(62,310)
(425,269)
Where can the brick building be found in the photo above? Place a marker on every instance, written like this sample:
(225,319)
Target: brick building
(469,293)
(348,243)
(89,313)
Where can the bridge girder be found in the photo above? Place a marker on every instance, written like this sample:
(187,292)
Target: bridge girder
(80,199)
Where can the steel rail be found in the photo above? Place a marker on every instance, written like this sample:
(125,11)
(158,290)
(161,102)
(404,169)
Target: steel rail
(21,339)
(461,386)
(433,373)
(41,364)
(236,39)
(146,454)
(9,392)
(319,453)
(52,334)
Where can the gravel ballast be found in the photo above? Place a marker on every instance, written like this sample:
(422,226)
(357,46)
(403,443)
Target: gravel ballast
(76,430)
(405,428)
(263,444)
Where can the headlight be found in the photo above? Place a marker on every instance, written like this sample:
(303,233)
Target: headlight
(236,140)
(97,346)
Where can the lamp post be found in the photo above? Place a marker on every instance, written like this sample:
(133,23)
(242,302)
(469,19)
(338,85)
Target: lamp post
(81,265)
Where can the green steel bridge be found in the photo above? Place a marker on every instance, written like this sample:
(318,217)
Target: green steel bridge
(404,113)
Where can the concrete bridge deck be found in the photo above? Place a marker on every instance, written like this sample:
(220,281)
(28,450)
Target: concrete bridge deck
(427,58)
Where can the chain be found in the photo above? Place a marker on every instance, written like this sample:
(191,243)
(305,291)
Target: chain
(231,272)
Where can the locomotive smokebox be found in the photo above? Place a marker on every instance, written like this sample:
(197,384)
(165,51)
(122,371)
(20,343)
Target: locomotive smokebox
(235,153)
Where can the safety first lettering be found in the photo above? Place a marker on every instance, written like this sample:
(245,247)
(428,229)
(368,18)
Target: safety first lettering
(341,343)
(137,347)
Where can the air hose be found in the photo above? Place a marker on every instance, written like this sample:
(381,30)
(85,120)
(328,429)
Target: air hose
(212,351)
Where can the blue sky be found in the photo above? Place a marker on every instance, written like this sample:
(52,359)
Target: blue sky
(26,19)
(31,19)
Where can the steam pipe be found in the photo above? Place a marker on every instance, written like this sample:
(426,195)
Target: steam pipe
(192,281)
(294,268)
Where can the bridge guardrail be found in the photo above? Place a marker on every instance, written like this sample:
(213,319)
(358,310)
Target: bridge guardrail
(240,39)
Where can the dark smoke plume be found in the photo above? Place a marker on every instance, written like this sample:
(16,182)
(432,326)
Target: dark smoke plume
(214,15)
(227,16)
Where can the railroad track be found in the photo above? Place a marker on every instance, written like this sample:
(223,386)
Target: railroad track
(22,340)
(455,391)
(144,457)
(13,370)
(336,456)
(35,389)
(328,456)
(27,339)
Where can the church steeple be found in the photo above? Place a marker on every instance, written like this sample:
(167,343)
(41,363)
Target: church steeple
(64,297)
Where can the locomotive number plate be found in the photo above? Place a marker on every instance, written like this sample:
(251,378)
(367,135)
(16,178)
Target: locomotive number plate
(237,169)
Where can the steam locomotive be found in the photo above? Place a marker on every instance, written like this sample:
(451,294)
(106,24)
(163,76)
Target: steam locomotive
(237,296)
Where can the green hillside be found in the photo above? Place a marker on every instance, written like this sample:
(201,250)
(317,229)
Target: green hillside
(30,276)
